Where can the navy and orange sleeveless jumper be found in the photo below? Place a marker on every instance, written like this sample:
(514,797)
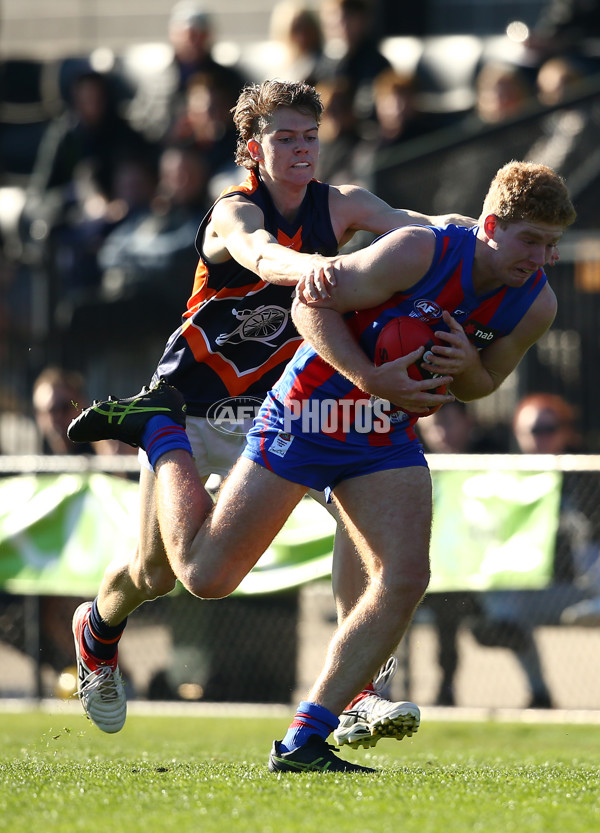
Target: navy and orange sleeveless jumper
(236,334)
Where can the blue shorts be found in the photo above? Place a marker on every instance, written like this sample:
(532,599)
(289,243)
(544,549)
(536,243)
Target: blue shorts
(319,461)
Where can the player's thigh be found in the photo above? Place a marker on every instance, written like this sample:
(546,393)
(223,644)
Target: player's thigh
(150,549)
(252,506)
(388,516)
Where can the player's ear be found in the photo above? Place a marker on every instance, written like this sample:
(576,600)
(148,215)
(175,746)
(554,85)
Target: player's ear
(255,150)
(490,225)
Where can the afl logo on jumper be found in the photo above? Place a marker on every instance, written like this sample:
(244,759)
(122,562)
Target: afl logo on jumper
(262,324)
(427,310)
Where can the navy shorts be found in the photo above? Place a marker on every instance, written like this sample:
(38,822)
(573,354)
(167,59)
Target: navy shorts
(319,461)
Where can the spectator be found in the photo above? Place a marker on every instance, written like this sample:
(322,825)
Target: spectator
(351,50)
(160,92)
(149,253)
(563,26)
(86,141)
(145,264)
(78,240)
(503,92)
(568,137)
(454,429)
(397,120)
(340,137)
(545,423)
(72,179)
(297,28)
(207,125)
(58,395)
(562,131)
(398,116)
(555,79)
(191,34)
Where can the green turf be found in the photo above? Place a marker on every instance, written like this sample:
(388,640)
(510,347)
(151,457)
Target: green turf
(60,775)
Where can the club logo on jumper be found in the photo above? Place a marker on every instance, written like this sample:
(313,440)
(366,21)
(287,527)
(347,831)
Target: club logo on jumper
(234,414)
(480,334)
(427,310)
(262,324)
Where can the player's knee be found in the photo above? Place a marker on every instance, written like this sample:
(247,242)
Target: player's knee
(155,582)
(411,585)
(162,584)
(216,584)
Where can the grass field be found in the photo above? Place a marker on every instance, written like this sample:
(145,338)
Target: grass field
(208,775)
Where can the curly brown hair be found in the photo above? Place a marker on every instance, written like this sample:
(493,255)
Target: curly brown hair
(528,191)
(257,103)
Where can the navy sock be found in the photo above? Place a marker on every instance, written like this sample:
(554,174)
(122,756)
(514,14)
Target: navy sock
(310,719)
(99,639)
(160,435)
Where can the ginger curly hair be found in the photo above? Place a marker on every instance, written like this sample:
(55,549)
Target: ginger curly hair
(528,191)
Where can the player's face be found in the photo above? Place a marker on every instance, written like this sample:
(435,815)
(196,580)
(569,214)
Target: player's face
(522,248)
(288,150)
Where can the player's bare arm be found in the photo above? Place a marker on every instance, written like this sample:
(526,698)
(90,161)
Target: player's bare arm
(327,332)
(369,276)
(237,230)
(365,279)
(484,370)
(355,209)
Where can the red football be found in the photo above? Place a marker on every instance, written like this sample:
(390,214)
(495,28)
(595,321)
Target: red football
(401,336)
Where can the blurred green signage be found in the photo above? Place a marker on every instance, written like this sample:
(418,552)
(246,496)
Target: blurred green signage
(491,530)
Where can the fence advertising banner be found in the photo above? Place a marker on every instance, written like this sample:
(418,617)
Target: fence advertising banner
(491,530)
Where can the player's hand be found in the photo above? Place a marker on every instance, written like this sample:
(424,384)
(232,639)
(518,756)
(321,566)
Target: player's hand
(456,220)
(456,355)
(390,381)
(317,283)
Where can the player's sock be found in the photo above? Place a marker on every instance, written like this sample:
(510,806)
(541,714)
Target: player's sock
(160,435)
(99,639)
(310,719)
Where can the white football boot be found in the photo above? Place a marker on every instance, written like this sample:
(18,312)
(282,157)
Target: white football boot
(100,686)
(370,717)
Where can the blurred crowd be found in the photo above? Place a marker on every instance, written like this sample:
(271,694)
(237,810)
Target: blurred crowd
(99,209)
